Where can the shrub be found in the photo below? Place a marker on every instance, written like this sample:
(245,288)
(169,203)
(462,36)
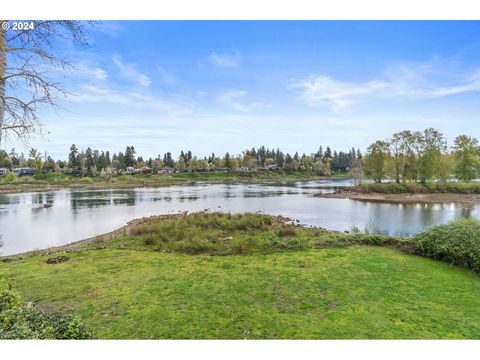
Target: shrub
(150,240)
(10,177)
(287,231)
(390,188)
(419,188)
(24,321)
(457,243)
(86,180)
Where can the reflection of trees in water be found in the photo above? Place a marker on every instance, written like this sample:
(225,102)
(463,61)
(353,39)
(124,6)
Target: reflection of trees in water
(409,219)
(466,212)
(10,199)
(187,198)
(42,198)
(130,201)
(263,194)
(37,198)
(95,199)
(89,203)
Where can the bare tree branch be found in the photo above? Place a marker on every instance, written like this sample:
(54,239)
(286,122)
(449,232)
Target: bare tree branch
(24,87)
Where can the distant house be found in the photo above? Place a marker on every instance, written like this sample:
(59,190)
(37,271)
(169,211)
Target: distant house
(184,170)
(26,171)
(221,169)
(242,169)
(4,171)
(165,171)
(271,167)
(146,170)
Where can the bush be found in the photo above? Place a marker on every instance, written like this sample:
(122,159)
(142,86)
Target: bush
(10,177)
(419,188)
(150,240)
(287,231)
(86,180)
(389,188)
(457,243)
(24,321)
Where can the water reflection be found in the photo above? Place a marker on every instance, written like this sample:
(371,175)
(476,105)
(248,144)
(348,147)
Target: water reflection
(76,214)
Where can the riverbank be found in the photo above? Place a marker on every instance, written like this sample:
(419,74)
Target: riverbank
(408,193)
(467,199)
(52,182)
(253,276)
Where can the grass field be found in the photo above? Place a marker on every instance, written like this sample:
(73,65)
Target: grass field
(341,293)
(134,287)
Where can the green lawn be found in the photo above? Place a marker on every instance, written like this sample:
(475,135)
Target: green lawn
(357,292)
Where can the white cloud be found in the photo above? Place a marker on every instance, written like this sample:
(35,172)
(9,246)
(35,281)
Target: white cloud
(225,60)
(239,100)
(130,99)
(130,71)
(317,90)
(231,99)
(91,71)
(165,76)
(399,81)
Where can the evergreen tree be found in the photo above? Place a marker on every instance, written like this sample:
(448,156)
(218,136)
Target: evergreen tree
(130,159)
(107,158)
(89,163)
(168,160)
(14,157)
(228,163)
(73,159)
(328,152)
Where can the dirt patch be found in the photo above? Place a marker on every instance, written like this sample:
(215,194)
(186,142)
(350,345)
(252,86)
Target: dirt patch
(57,260)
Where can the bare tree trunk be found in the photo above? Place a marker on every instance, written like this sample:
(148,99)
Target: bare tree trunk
(3,64)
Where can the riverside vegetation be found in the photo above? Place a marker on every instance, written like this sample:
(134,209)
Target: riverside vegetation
(214,275)
(12,183)
(19,320)
(417,188)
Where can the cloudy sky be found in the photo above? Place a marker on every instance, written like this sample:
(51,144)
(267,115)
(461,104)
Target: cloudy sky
(226,86)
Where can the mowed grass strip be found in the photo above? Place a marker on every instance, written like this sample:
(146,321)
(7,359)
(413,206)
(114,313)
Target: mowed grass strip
(359,292)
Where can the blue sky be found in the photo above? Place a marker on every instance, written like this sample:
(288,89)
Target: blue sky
(226,86)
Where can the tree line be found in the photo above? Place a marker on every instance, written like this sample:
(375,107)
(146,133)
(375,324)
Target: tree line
(422,156)
(406,156)
(91,162)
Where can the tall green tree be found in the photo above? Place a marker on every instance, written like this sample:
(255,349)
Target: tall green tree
(73,159)
(130,159)
(90,168)
(5,160)
(228,162)
(376,161)
(434,145)
(399,146)
(467,157)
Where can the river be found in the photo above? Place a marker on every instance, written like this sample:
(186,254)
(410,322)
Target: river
(78,214)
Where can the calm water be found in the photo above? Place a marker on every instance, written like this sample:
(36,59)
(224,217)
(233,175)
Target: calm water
(77,214)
